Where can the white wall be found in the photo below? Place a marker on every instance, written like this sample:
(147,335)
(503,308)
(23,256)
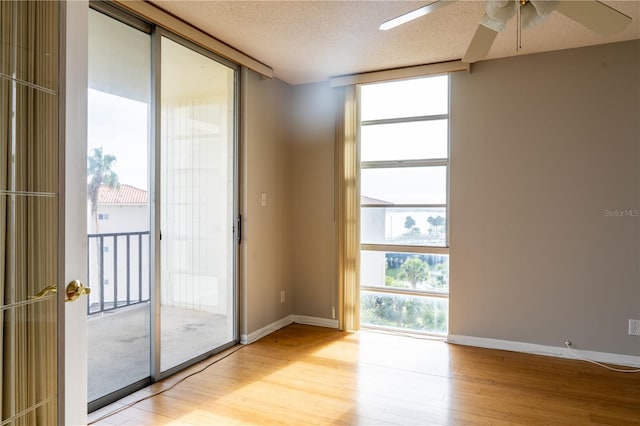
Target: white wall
(544,148)
(122,218)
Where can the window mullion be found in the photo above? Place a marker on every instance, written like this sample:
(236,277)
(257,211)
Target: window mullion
(404,119)
(404,248)
(405,291)
(403,206)
(434,162)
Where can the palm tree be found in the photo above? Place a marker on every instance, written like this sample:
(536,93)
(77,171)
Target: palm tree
(409,223)
(436,222)
(413,270)
(100,173)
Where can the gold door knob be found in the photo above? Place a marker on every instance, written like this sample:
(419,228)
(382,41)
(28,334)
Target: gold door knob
(75,289)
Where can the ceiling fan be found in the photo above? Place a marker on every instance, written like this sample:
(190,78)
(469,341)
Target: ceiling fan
(593,14)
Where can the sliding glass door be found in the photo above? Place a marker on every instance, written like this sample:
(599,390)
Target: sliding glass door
(118,140)
(161,204)
(196,203)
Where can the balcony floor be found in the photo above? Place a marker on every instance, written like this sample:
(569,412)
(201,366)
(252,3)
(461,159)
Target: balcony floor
(119,343)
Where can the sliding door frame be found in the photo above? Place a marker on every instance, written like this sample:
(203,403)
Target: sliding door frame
(156,159)
(113,12)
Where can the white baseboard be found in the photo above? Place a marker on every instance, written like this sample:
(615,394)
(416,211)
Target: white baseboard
(246,339)
(321,322)
(555,351)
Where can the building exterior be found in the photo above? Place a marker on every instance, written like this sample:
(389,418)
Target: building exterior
(123,209)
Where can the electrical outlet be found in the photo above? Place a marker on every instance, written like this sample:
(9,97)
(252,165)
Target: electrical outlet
(634,327)
(282,298)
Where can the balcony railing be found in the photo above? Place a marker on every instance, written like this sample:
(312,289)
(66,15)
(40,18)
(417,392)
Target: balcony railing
(118,267)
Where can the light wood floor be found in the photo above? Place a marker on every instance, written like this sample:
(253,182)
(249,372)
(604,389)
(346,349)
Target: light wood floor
(305,375)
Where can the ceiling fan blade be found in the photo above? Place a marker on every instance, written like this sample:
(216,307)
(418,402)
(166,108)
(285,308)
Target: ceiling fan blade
(594,15)
(410,16)
(480,44)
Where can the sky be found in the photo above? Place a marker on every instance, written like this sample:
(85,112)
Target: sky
(396,140)
(120,126)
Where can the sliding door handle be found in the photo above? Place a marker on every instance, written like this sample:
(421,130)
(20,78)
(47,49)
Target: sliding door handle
(239,229)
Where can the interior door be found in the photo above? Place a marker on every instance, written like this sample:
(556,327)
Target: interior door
(29,194)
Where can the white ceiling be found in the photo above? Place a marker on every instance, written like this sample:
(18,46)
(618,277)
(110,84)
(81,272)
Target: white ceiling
(309,41)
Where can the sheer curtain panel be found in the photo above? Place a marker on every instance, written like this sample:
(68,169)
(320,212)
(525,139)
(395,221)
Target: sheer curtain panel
(348,208)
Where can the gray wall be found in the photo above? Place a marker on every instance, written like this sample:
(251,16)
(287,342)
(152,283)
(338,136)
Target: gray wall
(288,137)
(542,148)
(312,183)
(265,159)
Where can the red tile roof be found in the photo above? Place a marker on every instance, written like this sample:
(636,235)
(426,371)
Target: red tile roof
(126,194)
(368,200)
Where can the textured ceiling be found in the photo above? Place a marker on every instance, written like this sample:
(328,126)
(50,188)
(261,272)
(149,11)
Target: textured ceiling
(310,41)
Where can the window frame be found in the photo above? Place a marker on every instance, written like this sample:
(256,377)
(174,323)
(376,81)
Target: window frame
(394,164)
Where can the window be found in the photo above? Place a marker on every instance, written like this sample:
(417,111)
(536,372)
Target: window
(103,216)
(404,181)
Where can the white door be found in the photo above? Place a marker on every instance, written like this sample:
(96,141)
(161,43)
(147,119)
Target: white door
(75,218)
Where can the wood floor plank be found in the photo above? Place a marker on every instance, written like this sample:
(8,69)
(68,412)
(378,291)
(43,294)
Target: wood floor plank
(303,375)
